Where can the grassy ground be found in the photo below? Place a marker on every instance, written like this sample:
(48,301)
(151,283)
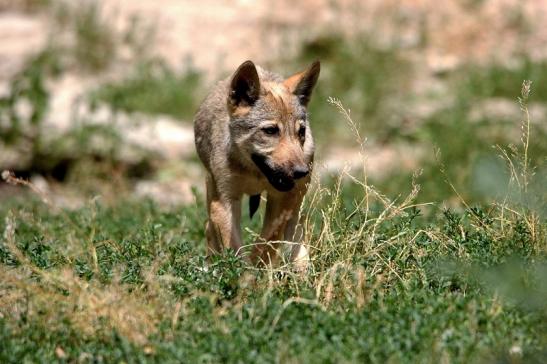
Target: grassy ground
(128,281)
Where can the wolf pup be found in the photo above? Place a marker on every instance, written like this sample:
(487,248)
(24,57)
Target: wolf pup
(253,135)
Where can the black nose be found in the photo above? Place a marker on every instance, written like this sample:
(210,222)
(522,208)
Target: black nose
(301,171)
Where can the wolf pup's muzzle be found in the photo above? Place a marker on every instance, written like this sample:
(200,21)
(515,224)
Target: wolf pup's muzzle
(279,178)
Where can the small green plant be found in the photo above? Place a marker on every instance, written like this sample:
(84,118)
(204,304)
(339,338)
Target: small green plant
(371,79)
(462,163)
(504,81)
(23,109)
(95,43)
(86,150)
(153,88)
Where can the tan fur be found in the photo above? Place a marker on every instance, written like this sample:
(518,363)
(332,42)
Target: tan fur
(230,135)
(291,82)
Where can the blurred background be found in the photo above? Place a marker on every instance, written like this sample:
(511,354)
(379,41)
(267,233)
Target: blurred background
(97,97)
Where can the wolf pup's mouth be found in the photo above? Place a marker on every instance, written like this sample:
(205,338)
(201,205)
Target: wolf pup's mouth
(277,178)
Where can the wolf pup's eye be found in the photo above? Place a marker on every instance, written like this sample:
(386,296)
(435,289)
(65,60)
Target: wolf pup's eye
(271,130)
(302,131)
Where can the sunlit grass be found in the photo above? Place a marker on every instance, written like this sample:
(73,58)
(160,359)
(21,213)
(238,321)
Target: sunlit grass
(153,88)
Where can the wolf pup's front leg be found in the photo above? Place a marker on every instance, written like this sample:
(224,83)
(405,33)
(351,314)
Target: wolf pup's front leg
(281,224)
(223,226)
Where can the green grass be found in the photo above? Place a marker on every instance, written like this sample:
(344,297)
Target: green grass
(128,281)
(464,154)
(504,81)
(95,44)
(84,151)
(28,86)
(372,80)
(153,88)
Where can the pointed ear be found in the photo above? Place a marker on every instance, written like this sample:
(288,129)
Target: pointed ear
(244,87)
(301,84)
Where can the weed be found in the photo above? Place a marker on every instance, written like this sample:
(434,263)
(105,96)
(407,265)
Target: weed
(22,114)
(463,160)
(370,78)
(153,88)
(503,81)
(23,109)
(95,42)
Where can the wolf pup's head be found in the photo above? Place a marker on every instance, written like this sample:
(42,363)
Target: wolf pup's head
(269,122)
